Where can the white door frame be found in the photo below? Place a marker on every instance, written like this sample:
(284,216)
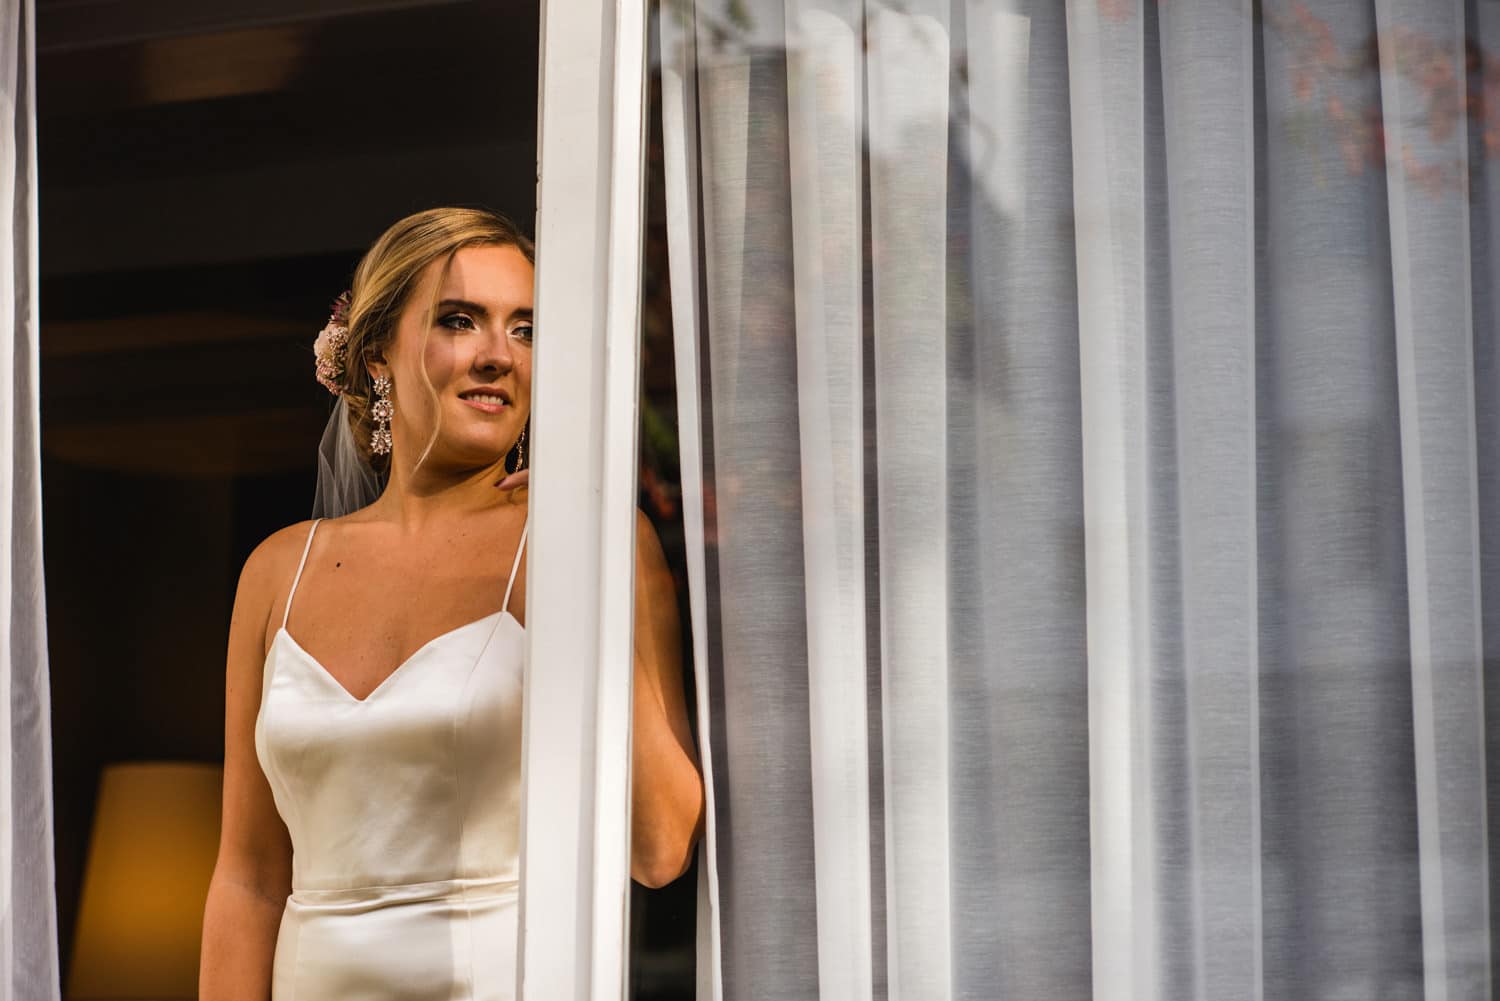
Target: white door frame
(575,875)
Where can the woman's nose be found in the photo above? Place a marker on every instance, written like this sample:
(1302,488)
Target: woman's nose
(495,352)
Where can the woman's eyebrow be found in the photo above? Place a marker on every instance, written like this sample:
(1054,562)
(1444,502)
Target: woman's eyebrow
(466,305)
(521,313)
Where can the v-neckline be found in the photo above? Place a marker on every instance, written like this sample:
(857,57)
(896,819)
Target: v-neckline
(389,678)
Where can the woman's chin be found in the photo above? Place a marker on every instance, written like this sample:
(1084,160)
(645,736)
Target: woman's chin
(471,455)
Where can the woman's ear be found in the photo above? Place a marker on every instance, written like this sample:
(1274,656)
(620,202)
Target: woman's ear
(375,365)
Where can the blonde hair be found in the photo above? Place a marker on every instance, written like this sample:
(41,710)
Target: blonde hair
(383,284)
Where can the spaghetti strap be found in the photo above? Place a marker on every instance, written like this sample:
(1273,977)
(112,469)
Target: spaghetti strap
(515,566)
(288,610)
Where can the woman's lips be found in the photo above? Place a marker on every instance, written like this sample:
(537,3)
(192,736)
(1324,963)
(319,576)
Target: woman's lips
(489,408)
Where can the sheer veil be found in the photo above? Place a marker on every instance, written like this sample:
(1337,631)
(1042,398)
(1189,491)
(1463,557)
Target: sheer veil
(346,482)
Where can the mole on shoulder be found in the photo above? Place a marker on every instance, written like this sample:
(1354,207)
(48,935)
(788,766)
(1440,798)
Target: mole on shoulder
(338,565)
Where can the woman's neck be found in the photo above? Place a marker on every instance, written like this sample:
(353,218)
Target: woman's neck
(417,500)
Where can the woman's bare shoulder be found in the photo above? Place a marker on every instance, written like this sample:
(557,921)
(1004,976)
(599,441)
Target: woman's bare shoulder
(274,557)
(266,573)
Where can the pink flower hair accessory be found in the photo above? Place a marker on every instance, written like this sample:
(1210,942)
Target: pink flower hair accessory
(328,349)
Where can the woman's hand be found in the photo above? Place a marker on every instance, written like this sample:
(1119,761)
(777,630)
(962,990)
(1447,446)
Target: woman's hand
(514,480)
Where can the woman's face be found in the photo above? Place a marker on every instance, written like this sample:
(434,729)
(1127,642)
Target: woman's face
(477,356)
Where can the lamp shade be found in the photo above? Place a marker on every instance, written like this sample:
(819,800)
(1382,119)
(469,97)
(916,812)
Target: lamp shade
(151,855)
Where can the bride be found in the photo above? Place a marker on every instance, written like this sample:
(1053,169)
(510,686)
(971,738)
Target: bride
(371,815)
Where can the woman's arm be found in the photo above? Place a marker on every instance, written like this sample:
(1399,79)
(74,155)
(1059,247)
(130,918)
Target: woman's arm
(253,873)
(666,809)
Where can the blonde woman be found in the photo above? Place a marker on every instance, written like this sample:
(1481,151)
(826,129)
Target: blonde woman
(373,686)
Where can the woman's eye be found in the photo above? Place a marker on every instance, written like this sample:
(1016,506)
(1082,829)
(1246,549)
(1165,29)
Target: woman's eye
(522,332)
(457,321)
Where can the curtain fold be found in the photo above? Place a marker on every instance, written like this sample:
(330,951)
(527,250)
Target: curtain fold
(906,76)
(824,128)
(1091,410)
(1430,278)
(28,917)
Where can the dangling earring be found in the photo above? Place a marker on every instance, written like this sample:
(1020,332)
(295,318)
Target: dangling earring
(380,438)
(520,453)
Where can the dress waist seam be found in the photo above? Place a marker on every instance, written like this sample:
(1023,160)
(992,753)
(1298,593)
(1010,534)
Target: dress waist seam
(458,888)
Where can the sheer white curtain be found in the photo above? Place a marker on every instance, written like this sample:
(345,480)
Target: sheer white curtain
(1089,420)
(28,922)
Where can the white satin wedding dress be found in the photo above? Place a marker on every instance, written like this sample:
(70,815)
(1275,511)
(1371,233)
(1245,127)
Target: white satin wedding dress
(404,814)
